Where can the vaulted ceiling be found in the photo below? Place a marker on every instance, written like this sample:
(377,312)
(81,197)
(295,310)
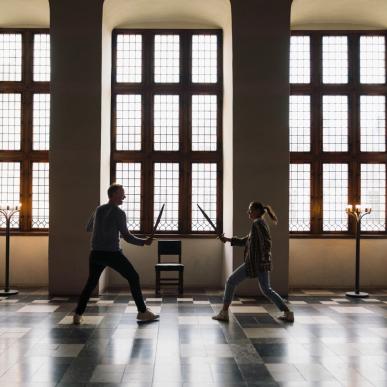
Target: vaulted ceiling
(317,14)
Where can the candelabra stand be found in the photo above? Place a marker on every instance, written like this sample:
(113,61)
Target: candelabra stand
(357,213)
(8,211)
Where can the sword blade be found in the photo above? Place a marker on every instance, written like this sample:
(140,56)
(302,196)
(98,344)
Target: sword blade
(158,219)
(207,217)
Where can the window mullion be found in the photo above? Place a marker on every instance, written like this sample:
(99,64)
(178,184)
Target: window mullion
(25,194)
(185,132)
(27,62)
(354,124)
(26,127)
(316,133)
(147,131)
(219,147)
(184,196)
(147,195)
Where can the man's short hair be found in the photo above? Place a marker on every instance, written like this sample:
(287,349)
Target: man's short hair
(113,188)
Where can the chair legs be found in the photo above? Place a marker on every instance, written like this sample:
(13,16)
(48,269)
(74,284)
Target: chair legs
(180,282)
(157,282)
(181,285)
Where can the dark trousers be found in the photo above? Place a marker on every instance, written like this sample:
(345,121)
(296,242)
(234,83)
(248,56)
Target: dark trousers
(116,260)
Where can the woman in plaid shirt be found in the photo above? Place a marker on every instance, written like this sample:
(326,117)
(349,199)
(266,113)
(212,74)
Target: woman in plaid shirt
(257,263)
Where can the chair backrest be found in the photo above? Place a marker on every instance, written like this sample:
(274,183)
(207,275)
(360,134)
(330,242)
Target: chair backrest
(169,248)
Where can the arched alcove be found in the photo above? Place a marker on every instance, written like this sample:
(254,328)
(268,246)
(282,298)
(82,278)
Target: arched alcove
(29,261)
(339,14)
(174,14)
(332,262)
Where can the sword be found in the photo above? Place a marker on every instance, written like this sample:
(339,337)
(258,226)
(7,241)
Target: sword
(158,219)
(207,217)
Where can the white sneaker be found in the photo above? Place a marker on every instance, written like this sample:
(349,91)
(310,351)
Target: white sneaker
(221,316)
(288,316)
(77,319)
(148,315)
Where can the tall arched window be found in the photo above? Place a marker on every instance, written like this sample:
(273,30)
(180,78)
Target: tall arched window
(167,127)
(24,125)
(337,130)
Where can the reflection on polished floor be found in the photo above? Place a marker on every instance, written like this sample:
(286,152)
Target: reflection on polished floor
(334,341)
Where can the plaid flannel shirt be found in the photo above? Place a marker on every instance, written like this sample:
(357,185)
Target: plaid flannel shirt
(257,244)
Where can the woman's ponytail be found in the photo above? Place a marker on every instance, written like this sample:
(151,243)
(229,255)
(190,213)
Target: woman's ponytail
(271,213)
(262,209)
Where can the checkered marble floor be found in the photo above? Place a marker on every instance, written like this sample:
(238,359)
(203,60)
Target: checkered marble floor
(335,341)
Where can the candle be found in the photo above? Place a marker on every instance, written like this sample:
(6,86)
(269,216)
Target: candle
(10,207)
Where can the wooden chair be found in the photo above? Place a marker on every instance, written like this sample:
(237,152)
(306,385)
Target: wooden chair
(169,248)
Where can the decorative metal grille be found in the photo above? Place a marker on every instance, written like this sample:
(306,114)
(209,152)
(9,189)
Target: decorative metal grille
(335,123)
(299,197)
(299,59)
(372,59)
(204,122)
(166,190)
(166,122)
(129,175)
(167,59)
(10,121)
(10,189)
(204,58)
(40,195)
(373,194)
(335,197)
(129,58)
(41,121)
(372,123)
(128,122)
(42,58)
(204,190)
(335,59)
(10,57)
(299,123)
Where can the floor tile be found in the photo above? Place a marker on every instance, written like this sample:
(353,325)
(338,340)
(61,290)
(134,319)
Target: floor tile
(340,299)
(285,373)
(247,309)
(38,309)
(266,333)
(333,342)
(325,320)
(87,320)
(351,310)
(371,300)
(105,302)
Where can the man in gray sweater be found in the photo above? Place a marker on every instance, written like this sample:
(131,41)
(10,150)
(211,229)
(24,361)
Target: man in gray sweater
(107,224)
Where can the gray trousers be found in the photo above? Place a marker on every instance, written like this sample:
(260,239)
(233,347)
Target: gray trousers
(240,274)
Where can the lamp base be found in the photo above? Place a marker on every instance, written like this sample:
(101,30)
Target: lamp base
(9,292)
(356,295)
